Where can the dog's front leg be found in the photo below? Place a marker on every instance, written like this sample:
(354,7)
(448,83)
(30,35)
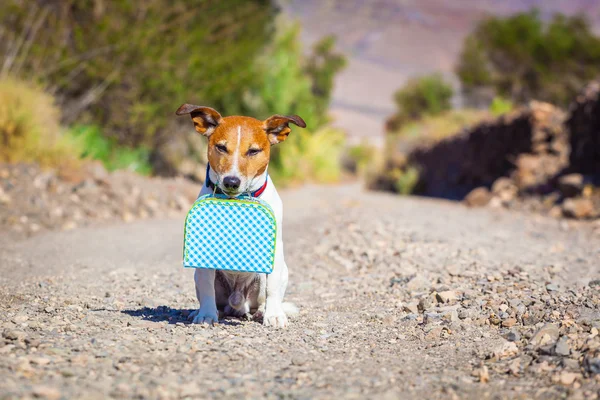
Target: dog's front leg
(205,292)
(276,285)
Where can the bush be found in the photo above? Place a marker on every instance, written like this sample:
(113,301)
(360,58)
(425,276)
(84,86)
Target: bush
(439,126)
(96,146)
(522,58)
(308,156)
(428,95)
(500,106)
(125,66)
(29,127)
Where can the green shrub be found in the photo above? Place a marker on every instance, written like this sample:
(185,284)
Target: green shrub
(522,58)
(307,156)
(29,127)
(126,65)
(440,126)
(407,180)
(427,95)
(500,106)
(358,158)
(96,146)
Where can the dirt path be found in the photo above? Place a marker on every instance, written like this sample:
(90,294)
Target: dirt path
(399,298)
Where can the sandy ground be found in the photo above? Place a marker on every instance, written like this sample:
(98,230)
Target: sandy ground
(398,297)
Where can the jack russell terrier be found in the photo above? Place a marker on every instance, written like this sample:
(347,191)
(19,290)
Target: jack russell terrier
(238,157)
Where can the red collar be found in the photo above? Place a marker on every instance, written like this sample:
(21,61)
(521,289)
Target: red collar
(211,185)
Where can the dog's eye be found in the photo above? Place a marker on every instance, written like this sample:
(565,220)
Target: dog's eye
(221,148)
(253,152)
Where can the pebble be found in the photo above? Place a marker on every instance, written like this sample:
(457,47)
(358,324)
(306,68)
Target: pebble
(567,378)
(547,334)
(562,347)
(447,296)
(46,392)
(13,334)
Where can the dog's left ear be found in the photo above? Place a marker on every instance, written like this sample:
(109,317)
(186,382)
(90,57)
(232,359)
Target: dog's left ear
(277,127)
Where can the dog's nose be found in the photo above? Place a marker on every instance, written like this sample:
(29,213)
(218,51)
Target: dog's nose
(231,182)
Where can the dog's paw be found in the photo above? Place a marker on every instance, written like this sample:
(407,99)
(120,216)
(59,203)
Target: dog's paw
(276,320)
(205,318)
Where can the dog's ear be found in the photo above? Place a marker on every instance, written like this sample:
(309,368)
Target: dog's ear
(277,127)
(205,119)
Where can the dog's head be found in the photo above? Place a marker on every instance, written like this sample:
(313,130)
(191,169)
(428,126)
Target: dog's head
(239,147)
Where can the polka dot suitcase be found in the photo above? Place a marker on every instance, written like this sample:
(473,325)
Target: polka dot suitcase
(230,234)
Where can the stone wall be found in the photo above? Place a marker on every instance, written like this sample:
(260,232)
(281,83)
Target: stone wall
(528,145)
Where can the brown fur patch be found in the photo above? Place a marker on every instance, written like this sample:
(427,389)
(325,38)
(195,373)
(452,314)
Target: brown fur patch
(252,136)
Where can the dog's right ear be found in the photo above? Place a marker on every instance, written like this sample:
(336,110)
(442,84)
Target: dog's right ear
(205,119)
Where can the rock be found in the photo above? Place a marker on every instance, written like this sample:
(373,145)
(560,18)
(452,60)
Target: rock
(570,185)
(46,392)
(39,360)
(13,334)
(502,184)
(425,304)
(446,296)
(411,308)
(592,365)
(567,378)
(547,334)
(418,283)
(505,350)
(512,336)
(509,322)
(483,374)
(579,208)
(478,197)
(299,360)
(551,287)
(450,316)
(562,347)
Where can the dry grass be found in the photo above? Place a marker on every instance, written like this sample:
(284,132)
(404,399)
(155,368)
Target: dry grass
(30,127)
(312,157)
(442,126)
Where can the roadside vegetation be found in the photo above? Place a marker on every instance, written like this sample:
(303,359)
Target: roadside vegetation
(114,90)
(505,63)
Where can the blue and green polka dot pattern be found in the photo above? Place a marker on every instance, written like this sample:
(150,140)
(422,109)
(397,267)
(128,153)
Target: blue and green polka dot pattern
(230,234)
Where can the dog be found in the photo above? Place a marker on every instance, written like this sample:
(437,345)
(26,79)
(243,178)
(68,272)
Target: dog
(238,157)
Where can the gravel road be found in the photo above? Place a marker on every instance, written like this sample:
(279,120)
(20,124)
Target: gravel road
(398,297)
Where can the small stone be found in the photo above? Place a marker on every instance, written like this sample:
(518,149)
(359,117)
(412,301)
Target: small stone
(567,378)
(579,208)
(513,336)
(478,197)
(411,308)
(19,319)
(12,334)
(46,392)
(425,303)
(299,360)
(509,322)
(446,296)
(483,374)
(505,350)
(191,389)
(547,334)
(450,316)
(39,360)
(551,287)
(562,347)
(418,283)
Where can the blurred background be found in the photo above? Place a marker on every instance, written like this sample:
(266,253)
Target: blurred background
(489,102)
